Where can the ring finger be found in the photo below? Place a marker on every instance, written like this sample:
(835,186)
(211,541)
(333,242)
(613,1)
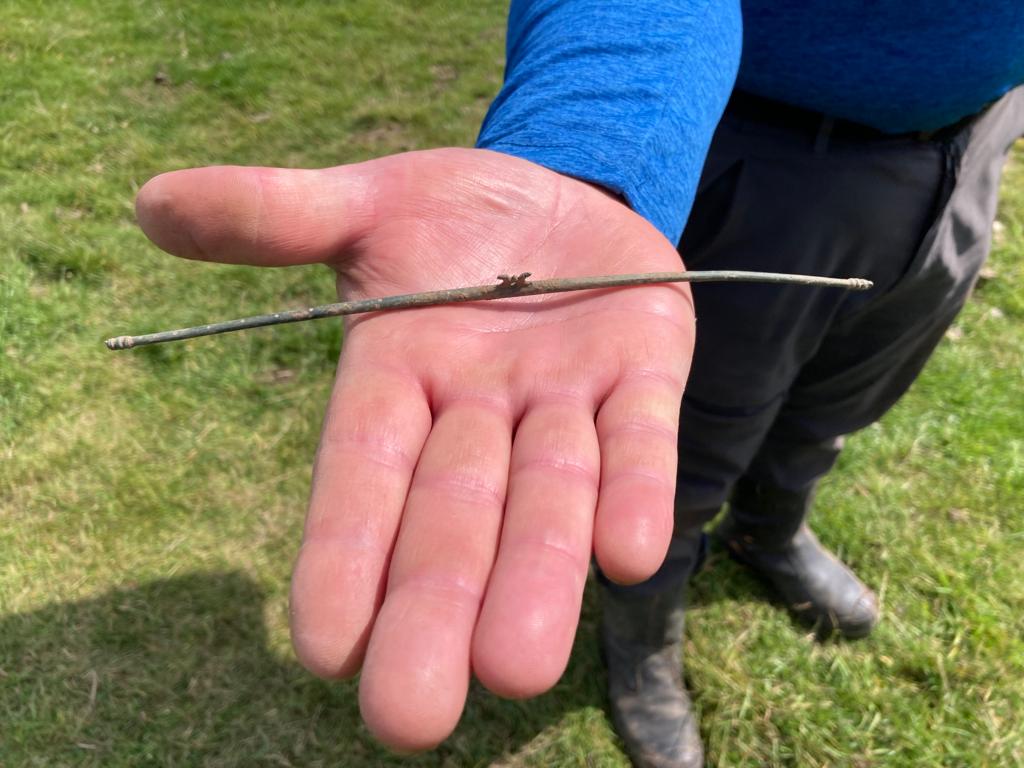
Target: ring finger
(416,674)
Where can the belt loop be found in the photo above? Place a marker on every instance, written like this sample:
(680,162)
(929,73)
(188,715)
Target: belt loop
(824,133)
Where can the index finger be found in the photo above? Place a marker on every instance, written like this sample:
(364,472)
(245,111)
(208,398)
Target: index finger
(372,436)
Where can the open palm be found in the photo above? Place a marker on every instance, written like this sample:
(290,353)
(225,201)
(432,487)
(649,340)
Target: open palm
(473,457)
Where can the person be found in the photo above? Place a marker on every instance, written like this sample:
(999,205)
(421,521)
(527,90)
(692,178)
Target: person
(473,458)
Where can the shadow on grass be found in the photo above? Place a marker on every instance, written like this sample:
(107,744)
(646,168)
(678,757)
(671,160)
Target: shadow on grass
(721,579)
(179,672)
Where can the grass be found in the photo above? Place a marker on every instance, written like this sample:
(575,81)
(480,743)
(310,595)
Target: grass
(150,502)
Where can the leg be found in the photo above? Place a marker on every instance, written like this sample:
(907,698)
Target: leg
(768,199)
(641,642)
(868,359)
(750,342)
(765,530)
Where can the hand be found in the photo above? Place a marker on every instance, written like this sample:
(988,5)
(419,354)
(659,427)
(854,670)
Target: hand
(472,456)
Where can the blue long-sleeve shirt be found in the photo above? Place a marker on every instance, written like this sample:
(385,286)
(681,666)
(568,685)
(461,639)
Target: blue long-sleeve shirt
(626,93)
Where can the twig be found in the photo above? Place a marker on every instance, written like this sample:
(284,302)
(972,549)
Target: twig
(510,286)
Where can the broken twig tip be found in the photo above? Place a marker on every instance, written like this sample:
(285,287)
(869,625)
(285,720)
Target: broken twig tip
(120,342)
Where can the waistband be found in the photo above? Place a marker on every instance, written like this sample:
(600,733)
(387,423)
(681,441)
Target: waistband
(817,124)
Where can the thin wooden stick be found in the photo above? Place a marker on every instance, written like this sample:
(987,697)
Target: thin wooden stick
(510,286)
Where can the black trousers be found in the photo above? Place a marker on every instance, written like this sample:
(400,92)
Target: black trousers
(780,374)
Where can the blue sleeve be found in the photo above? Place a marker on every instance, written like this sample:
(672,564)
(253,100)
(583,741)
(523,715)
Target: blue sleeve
(623,93)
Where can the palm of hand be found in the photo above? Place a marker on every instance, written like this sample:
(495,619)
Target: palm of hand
(472,456)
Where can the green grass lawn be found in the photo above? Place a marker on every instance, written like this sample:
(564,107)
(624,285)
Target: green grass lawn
(151,501)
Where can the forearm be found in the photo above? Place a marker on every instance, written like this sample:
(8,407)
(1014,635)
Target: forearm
(624,94)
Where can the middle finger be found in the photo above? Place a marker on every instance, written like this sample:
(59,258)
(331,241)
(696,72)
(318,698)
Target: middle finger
(528,620)
(416,673)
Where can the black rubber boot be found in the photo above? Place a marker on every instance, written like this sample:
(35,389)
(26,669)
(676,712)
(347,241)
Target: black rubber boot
(641,641)
(765,529)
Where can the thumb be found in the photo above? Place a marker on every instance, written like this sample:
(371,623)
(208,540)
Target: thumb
(259,216)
